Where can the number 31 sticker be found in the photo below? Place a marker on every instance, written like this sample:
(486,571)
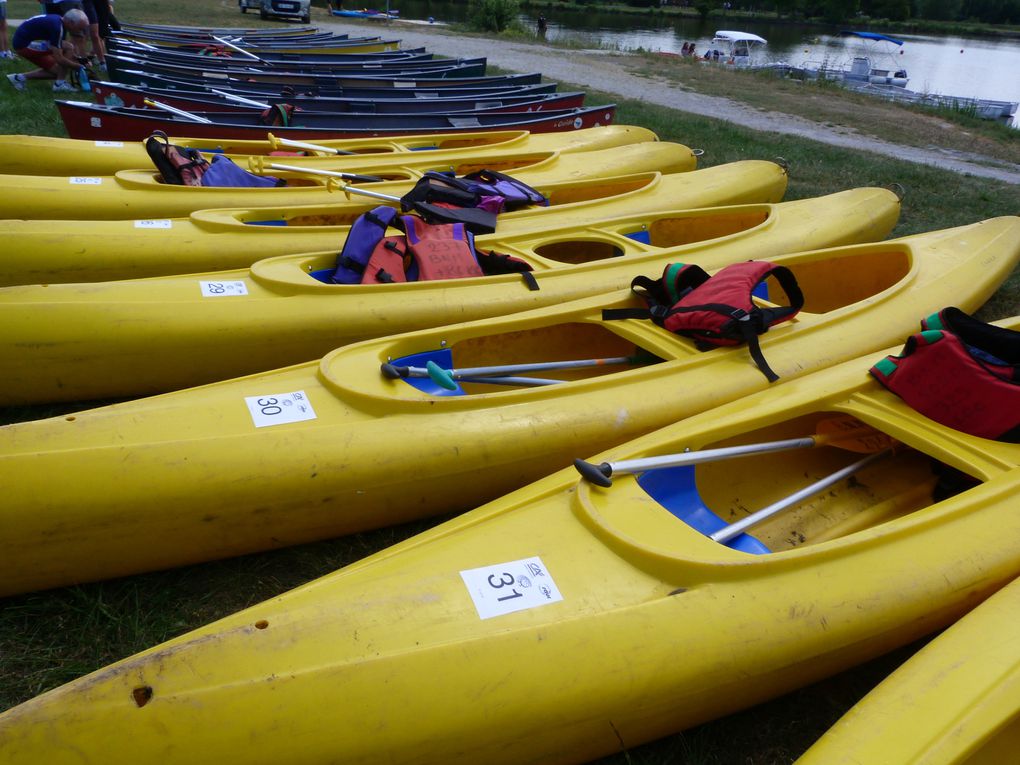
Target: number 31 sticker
(279,408)
(508,587)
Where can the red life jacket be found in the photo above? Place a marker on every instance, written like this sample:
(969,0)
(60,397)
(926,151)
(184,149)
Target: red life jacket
(717,310)
(425,252)
(960,372)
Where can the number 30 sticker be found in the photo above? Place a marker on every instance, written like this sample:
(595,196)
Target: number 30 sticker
(507,587)
(279,408)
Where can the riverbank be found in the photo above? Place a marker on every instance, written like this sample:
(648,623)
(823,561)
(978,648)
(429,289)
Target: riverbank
(619,73)
(720,14)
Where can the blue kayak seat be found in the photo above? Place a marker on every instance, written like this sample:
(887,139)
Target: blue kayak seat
(676,490)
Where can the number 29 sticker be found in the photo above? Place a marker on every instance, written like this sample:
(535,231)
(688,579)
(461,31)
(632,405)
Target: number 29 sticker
(507,587)
(279,408)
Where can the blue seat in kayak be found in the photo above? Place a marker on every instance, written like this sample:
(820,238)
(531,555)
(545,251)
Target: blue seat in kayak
(676,490)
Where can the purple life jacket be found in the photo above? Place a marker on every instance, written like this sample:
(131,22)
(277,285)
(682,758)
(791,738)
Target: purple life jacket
(224,173)
(424,252)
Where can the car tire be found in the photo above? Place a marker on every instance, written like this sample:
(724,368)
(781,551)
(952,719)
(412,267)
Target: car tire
(306,18)
(263,15)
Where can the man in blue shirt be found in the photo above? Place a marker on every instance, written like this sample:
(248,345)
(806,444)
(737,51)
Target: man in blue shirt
(42,41)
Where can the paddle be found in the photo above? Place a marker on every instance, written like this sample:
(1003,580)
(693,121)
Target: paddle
(238,99)
(843,432)
(178,112)
(258,164)
(276,143)
(242,51)
(446,377)
(727,533)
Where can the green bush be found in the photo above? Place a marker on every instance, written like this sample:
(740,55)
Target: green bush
(493,15)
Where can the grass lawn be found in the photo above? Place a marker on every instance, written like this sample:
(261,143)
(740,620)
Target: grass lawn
(51,637)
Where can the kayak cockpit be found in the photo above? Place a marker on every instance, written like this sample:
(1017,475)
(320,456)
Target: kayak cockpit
(888,474)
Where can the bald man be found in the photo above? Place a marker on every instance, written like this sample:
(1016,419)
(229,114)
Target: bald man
(47,42)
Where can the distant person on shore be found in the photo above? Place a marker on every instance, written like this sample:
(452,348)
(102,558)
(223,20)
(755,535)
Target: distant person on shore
(42,40)
(542,26)
(5,48)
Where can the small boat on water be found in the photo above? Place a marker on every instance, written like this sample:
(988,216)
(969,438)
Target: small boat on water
(736,48)
(139,337)
(873,63)
(565,621)
(985,108)
(124,123)
(954,702)
(341,445)
(56,251)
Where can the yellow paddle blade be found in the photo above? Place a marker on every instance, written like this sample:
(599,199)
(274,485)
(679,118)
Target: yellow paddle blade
(846,432)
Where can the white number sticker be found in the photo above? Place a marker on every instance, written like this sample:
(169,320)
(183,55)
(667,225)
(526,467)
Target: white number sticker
(508,587)
(111,144)
(279,408)
(153,224)
(78,180)
(223,289)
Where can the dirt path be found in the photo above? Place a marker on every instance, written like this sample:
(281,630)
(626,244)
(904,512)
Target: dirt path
(607,72)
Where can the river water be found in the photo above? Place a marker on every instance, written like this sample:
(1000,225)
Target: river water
(973,67)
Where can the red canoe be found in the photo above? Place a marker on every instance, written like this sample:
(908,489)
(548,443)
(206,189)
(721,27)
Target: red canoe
(105,123)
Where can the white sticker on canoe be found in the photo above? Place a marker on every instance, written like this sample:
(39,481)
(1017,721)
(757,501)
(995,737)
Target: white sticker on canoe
(507,587)
(78,180)
(279,408)
(153,224)
(111,144)
(223,289)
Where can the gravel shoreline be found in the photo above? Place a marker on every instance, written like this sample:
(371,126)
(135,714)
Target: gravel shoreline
(605,71)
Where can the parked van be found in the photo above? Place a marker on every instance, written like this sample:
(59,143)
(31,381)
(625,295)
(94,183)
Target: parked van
(288,9)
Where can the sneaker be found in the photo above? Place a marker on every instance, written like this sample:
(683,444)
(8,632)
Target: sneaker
(63,85)
(17,80)
(102,66)
(6,54)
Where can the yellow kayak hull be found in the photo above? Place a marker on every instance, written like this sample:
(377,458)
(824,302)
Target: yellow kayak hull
(44,155)
(956,701)
(323,449)
(142,194)
(46,252)
(564,621)
(138,337)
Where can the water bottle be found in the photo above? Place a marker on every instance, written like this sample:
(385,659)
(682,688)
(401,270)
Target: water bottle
(83,79)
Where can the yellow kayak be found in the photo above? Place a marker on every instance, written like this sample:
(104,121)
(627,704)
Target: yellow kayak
(44,155)
(567,621)
(337,446)
(83,251)
(137,337)
(956,701)
(142,194)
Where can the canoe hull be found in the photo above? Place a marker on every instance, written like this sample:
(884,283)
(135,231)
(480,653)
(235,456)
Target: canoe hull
(219,470)
(227,239)
(141,194)
(584,670)
(129,338)
(91,122)
(953,702)
(44,155)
